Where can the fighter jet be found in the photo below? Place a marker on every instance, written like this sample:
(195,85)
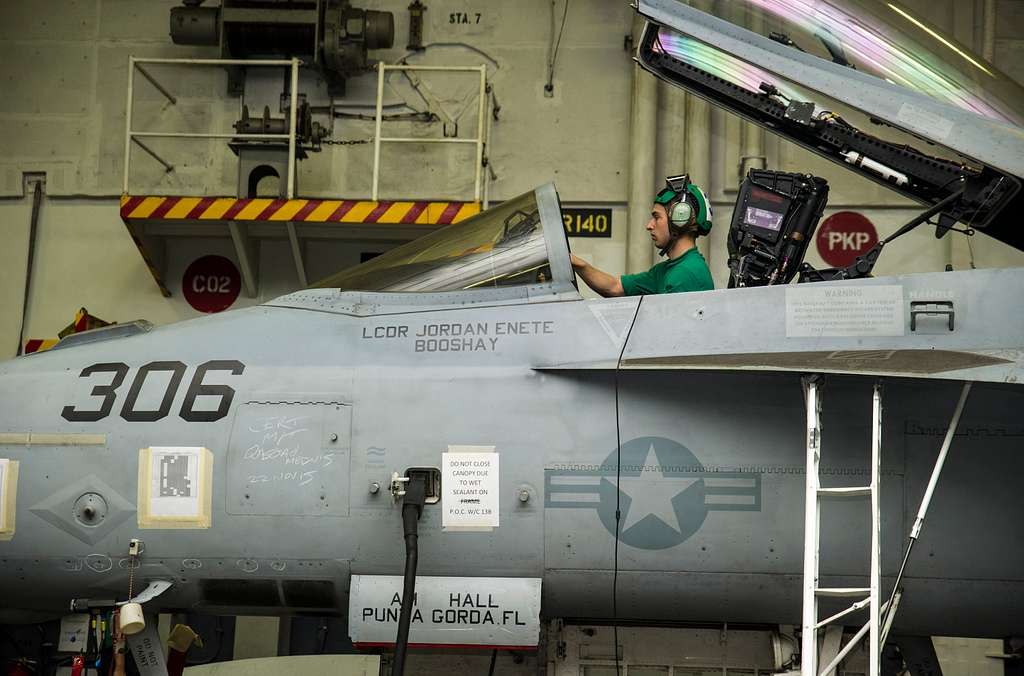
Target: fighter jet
(655,445)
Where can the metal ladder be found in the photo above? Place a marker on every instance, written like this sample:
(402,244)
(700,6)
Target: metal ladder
(868,597)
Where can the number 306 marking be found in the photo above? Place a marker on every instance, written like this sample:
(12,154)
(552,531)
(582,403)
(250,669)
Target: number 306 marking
(197,388)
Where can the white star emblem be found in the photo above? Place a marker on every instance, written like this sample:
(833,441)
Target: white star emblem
(652,493)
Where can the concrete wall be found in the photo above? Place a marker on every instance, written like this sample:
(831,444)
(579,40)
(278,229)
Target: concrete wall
(64,65)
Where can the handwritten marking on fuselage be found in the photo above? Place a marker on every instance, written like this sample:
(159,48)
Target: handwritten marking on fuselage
(302,478)
(277,428)
(289,456)
(271,449)
(458,336)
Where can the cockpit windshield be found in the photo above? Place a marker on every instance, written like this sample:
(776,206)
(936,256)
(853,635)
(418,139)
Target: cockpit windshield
(879,37)
(749,76)
(501,247)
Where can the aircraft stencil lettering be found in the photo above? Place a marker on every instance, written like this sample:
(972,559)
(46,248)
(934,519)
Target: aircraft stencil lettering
(458,337)
(197,388)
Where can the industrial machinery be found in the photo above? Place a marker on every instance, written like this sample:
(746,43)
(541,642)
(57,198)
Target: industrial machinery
(331,35)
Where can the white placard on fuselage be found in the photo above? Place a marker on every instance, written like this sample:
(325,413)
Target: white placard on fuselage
(447,611)
(174,489)
(3,490)
(840,311)
(469,488)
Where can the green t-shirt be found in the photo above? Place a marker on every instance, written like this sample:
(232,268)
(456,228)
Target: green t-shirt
(689,272)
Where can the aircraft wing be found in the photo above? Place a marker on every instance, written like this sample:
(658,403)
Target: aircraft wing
(926,146)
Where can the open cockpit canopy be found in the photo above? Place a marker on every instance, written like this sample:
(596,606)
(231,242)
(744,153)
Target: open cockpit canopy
(519,243)
(877,37)
(864,83)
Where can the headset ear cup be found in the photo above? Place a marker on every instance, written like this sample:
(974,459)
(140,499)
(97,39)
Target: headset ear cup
(681,214)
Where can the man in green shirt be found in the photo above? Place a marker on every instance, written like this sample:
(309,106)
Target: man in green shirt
(680,214)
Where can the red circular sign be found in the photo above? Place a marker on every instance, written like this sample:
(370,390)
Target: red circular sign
(843,236)
(211,283)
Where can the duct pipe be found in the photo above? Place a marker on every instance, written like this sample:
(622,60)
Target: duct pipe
(698,156)
(698,160)
(988,33)
(752,148)
(643,124)
(37,201)
(671,138)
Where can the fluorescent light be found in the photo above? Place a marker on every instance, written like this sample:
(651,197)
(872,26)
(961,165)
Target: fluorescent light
(938,37)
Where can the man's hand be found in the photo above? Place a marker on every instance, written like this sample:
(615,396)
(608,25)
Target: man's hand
(598,280)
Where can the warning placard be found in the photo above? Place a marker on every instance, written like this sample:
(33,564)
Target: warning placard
(848,310)
(447,611)
(469,488)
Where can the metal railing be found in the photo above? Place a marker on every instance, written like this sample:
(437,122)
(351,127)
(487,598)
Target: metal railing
(479,140)
(132,136)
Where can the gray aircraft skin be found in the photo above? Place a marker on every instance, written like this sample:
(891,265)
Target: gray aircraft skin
(476,335)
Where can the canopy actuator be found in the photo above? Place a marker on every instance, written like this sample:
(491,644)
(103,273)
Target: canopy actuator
(865,263)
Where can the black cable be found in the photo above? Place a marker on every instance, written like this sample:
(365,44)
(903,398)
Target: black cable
(558,43)
(219,631)
(494,658)
(618,492)
(323,629)
(409,521)
(418,116)
(494,62)
(412,507)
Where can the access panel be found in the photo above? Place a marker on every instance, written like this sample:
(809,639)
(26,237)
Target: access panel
(289,459)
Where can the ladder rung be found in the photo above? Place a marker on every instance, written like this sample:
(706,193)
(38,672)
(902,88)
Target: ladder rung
(842,591)
(851,491)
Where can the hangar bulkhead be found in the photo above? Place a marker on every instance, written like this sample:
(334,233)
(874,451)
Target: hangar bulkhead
(565,337)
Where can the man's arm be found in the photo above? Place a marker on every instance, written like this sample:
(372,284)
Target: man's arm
(598,280)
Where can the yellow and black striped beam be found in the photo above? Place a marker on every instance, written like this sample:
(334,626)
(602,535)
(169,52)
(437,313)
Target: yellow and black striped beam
(295,210)
(137,210)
